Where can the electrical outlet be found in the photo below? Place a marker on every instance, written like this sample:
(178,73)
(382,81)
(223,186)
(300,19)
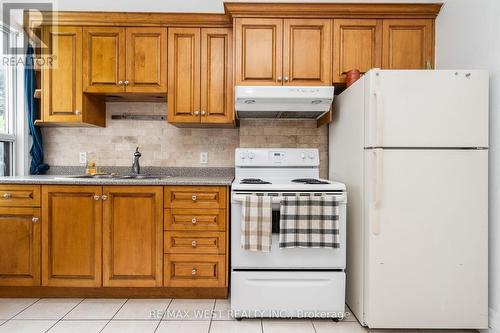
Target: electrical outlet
(204,157)
(83,157)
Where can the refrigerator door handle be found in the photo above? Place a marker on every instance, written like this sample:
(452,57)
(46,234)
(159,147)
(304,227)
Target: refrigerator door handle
(377,190)
(379,119)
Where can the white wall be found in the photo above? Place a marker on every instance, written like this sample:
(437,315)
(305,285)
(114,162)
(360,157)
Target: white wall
(209,6)
(468,37)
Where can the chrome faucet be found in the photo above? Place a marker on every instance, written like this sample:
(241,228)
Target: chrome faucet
(136,168)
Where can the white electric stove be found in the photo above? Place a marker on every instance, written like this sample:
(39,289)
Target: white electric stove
(296,282)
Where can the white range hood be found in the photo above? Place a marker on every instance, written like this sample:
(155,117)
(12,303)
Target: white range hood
(288,102)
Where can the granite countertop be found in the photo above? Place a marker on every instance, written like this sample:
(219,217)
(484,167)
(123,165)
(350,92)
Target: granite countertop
(176,176)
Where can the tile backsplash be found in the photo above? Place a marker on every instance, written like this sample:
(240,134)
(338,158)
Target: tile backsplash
(162,144)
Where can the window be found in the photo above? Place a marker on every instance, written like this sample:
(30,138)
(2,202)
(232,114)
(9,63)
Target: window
(8,84)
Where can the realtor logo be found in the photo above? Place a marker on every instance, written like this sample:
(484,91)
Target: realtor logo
(13,14)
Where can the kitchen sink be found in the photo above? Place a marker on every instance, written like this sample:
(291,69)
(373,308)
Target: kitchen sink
(116,176)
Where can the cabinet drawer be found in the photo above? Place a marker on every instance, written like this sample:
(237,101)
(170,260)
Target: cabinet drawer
(195,219)
(195,197)
(19,195)
(187,270)
(194,242)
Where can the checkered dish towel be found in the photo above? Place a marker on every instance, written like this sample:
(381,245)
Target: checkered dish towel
(311,222)
(256,223)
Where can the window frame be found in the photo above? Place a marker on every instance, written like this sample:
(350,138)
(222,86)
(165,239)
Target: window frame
(13,116)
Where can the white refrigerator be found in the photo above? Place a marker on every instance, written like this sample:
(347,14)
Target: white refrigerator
(412,148)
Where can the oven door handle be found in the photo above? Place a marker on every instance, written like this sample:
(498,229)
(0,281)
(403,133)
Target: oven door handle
(236,198)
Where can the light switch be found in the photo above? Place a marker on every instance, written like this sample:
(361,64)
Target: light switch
(204,157)
(83,157)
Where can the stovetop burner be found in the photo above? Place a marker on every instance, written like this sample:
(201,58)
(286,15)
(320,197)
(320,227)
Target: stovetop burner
(310,181)
(253,181)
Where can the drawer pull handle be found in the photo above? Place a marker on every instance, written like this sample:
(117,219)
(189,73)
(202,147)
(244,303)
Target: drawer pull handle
(194,198)
(34,219)
(194,220)
(96,197)
(104,197)
(194,244)
(7,195)
(194,272)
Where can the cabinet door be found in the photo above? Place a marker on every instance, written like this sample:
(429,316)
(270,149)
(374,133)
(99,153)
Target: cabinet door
(408,44)
(258,49)
(19,246)
(62,76)
(133,236)
(357,45)
(103,60)
(217,104)
(146,60)
(184,75)
(307,47)
(71,236)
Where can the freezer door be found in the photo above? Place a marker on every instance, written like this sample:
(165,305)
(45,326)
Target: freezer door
(426,228)
(427,109)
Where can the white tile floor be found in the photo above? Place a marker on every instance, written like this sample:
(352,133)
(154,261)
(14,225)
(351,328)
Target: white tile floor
(153,315)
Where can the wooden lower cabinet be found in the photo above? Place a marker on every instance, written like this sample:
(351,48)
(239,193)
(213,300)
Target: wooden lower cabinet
(133,236)
(196,250)
(194,242)
(131,239)
(19,246)
(71,236)
(192,270)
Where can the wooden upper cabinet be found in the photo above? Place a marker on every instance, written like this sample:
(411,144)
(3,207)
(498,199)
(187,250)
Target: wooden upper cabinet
(20,246)
(62,80)
(133,236)
(307,51)
(103,59)
(357,45)
(71,236)
(146,70)
(217,105)
(184,75)
(408,44)
(258,49)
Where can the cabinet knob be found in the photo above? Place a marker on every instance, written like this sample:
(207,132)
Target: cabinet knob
(194,272)
(194,244)
(104,197)
(78,112)
(120,82)
(286,78)
(203,113)
(126,82)
(197,113)
(194,220)
(194,198)
(7,195)
(34,219)
(279,78)
(96,197)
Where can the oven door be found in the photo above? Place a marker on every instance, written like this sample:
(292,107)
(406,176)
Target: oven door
(285,259)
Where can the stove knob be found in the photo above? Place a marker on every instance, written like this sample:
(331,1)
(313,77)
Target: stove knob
(303,156)
(251,155)
(311,156)
(243,155)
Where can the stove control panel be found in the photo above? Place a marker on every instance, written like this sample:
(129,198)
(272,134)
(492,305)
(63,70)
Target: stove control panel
(285,157)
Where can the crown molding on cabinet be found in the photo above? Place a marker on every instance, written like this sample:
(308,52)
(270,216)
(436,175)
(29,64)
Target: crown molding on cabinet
(35,19)
(332,10)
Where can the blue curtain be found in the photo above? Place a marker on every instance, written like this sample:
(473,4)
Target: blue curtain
(37,166)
